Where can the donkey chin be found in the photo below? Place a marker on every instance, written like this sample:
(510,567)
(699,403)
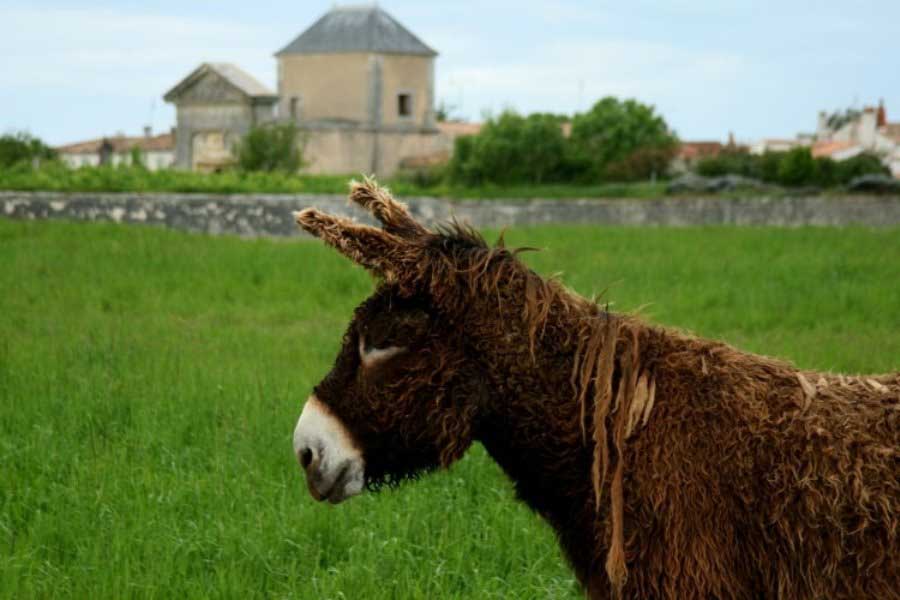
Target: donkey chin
(334,465)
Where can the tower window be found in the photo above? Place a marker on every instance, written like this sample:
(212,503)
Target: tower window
(295,108)
(404,105)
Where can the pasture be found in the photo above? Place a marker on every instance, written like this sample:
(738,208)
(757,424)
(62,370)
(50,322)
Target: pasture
(150,381)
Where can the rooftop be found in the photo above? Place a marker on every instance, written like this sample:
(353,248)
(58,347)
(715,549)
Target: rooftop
(121,144)
(357,29)
(699,149)
(829,148)
(240,79)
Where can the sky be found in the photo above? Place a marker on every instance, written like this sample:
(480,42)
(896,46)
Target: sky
(78,70)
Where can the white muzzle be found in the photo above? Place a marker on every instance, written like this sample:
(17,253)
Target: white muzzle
(326,451)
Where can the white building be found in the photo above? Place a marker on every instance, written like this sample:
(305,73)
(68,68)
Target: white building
(775,145)
(844,135)
(156,151)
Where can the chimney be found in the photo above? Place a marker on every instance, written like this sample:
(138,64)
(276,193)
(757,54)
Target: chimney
(881,119)
(148,131)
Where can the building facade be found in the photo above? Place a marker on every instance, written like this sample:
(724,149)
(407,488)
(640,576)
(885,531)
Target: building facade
(215,106)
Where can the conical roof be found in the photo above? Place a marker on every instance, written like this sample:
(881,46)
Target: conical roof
(357,29)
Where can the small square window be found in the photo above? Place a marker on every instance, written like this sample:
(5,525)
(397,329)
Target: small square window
(404,105)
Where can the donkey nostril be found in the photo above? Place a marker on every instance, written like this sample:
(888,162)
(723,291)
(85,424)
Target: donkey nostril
(306,457)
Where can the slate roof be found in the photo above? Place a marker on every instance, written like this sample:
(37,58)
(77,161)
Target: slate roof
(231,73)
(357,29)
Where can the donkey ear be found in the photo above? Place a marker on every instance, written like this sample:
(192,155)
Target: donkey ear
(393,215)
(372,248)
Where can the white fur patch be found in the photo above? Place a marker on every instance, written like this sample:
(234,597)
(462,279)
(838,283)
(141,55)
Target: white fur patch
(373,356)
(335,465)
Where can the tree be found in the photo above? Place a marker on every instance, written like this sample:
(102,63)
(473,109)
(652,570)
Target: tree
(612,131)
(21,147)
(271,147)
(861,164)
(798,167)
(511,149)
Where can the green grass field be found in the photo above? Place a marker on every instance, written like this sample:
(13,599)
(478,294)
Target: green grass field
(150,381)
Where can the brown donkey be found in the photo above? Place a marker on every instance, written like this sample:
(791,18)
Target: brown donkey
(669,466)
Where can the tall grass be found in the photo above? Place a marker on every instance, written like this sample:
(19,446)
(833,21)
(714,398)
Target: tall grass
(150,380)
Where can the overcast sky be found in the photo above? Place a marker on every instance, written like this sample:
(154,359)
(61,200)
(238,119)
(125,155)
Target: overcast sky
(76,70)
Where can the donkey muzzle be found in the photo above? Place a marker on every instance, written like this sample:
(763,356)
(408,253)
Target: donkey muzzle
(333,464)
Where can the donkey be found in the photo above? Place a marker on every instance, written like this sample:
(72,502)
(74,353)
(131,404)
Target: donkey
(669,466)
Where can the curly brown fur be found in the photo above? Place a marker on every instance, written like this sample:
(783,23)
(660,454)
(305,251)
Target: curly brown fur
(670,466)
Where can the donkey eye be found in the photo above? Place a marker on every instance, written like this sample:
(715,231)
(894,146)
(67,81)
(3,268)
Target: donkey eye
(370,355)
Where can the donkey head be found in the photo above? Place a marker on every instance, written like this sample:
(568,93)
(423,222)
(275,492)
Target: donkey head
(404,391)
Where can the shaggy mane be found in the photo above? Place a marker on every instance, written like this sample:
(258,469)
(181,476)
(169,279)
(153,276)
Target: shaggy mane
(608,375)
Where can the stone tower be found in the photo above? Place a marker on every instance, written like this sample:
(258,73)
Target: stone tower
(362,86)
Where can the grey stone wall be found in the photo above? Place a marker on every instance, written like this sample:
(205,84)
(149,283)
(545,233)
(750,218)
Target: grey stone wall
(255,215)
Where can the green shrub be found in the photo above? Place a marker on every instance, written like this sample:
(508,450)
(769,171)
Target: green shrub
(616,138)
(460,161)
(137,158)
(826,171)
(422,177)
(21,147)
(861,164)
(798,167)
(511,149)
(768,165)
(794,168)
(732,162)
(271,147)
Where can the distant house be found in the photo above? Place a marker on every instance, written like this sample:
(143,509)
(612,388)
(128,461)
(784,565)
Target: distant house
(215,105)
(776,145)
(155,151)
(690,153)
(846,134)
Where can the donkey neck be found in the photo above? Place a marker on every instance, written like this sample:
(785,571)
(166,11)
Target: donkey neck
(530,422)
(536,440)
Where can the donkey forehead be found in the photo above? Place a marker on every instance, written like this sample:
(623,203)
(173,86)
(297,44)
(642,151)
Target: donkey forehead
(386,308)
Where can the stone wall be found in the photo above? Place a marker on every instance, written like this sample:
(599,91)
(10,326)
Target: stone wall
(270,215)
(333,149)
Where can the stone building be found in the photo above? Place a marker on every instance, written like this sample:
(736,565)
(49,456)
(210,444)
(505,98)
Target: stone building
(216,105)
(361,87)
(357,83)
